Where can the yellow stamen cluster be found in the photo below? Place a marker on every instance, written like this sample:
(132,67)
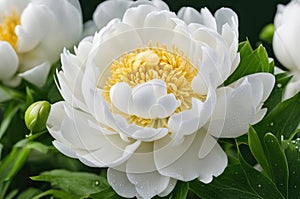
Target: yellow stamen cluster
(7,28)
(150,63)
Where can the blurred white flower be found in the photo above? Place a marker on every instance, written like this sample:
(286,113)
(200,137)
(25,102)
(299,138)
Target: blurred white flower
(286,42)
(32,35)
(144,96)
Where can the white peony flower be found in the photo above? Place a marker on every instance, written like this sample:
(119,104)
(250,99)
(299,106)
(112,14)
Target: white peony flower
(32,35)
(144,96)
(286,42)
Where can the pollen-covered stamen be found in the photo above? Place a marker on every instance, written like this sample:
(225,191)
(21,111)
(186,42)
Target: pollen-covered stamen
(7,28)
(143,65)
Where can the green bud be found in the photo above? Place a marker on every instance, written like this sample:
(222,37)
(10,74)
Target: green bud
(36,116)
(267,33)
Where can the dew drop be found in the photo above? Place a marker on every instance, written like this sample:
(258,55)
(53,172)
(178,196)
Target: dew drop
(293,142)
(97,183)
(298,139)
(279,85)
(259,185)
(295,186)
(272,124)
(296,147)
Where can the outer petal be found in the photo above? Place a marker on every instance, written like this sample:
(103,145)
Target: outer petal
(120,183)
(71,129)
(38,40)
(149,184)
(287,29)
(37,75)
(291,89)
(232,116)
(182,161)
(9,61)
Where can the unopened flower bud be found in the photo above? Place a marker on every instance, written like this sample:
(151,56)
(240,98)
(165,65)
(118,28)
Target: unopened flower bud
(36,116)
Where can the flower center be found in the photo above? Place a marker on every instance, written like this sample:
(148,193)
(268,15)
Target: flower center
(7,28)
(143,65)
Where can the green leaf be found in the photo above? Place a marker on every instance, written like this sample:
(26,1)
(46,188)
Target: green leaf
(292,153)
(56,194)
(29,193)
(13,162)
(12,194)
(29,96)
(282,120)
(275,97)
(232,184)
(1,148)
(277,163)
(259,183)
(252,61)
(257,149)
(77,183)
(8,116)
(181,190)
(105,194)
(38,147)
(267,33)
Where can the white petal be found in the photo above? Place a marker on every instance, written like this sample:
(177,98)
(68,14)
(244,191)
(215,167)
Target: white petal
(172,160)
(89,28)
(146,95)
(120,183)
(109,10)
(159,4)
(38,39)
(114,152)
(66,150)
(56,116)
(189,121)
(149,184)
(226,16)
(232,116)
(135,16)
(164,107)
(189,15)
(208,19)
(16,5)
(160,19)
(169,189)
(146,134)
(283,45)
(9,61)
(291,89)
(142,160)
(120,96)
(37,75)
(267,80)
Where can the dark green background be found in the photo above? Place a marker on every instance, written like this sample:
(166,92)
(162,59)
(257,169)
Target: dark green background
(253,14)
